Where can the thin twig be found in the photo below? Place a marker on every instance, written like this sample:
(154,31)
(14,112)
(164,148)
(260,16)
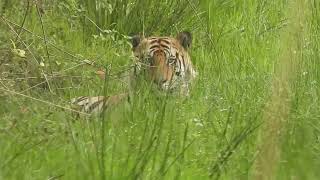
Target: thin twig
(55,46)
(43,82)
(23,21)
(46,46)
(33,77)
(33,56)
(27,47)
(49,42)
(45,102)
(47,80)
(44,36)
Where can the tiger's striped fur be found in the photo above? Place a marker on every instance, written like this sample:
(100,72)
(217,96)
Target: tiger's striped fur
(164,60)
(96,104)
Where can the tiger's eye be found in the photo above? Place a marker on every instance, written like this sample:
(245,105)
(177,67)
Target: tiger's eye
(171,61)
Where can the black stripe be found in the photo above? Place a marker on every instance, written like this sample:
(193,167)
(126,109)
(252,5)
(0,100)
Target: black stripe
(184,65)
(155,46)
(94,105)
(165,46)
(154,41)
(79,99)
(165,40)
(153,50)
(179,65)
(168,51)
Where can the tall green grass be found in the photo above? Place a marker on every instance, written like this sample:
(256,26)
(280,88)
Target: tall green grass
(222,131)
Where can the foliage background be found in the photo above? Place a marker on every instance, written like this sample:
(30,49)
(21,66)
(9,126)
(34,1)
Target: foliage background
(253,112)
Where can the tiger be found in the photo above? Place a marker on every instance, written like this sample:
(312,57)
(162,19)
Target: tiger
(165,61)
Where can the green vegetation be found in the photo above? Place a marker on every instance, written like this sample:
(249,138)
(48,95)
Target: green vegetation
(252,114)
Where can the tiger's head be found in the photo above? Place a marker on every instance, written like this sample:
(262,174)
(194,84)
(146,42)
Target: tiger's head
(165,59)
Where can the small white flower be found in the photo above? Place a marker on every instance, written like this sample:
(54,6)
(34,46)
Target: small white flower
(41,64)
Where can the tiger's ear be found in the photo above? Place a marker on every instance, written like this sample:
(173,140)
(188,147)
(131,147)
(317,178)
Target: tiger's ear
(185,39)
(135,41)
